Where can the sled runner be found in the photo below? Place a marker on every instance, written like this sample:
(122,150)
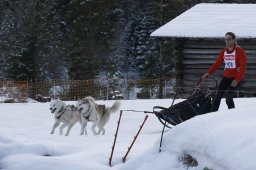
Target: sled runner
(200,102)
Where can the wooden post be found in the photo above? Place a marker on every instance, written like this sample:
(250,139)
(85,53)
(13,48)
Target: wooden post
(113,147)
(135,137)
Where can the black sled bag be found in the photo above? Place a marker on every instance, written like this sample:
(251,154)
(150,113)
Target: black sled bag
(197,104)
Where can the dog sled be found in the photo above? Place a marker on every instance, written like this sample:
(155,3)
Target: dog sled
(198,103)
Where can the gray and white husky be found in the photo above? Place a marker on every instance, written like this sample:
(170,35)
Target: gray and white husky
(67,114)
(97,114)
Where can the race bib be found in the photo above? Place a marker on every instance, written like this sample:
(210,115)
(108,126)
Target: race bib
(230,60)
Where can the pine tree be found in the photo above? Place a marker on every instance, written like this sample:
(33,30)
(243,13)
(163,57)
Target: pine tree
(35,44)
(91,31)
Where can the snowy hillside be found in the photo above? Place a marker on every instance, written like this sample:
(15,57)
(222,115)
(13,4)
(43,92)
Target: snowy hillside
(220,140)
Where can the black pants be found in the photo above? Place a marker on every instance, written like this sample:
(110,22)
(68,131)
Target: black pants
(223,87)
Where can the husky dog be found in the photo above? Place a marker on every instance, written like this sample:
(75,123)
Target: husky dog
(67,114)
(98,114)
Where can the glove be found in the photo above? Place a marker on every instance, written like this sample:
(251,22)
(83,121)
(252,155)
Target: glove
(205,76)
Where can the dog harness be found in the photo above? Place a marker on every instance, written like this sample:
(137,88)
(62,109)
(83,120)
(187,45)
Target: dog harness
(97,108)
(62,110)
(88,115)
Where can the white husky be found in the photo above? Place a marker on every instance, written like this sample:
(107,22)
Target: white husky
(67,114)
(98,114)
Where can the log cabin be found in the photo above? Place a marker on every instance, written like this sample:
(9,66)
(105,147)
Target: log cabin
(199,33)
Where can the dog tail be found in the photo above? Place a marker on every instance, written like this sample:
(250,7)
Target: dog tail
(115,107)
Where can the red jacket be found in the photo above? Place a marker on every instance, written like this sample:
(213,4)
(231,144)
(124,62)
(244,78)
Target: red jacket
(241,64)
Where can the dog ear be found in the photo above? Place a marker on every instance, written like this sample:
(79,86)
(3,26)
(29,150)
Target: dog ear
(62,102)
(52,100)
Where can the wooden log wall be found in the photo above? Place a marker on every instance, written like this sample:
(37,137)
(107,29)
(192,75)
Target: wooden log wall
(195,57)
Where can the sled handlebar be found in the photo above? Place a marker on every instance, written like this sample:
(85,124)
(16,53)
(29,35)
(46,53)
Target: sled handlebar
(213,78)
(199,82)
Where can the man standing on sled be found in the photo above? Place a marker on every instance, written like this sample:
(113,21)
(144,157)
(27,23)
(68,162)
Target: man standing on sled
(234,58)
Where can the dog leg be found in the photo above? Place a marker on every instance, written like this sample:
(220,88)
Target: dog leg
(101,128)
(56,124)
(69,127)
(103,131)
(93,128)
(83,128)
(62,127)
(98,131)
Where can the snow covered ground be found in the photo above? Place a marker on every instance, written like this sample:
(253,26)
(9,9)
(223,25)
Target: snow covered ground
(222,140)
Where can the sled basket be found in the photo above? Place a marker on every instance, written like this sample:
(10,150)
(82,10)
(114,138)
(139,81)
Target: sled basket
(200,102)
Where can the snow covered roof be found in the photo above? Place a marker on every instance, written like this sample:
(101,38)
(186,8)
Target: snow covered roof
(208,20)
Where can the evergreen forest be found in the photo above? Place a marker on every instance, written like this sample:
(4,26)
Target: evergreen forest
(85,39)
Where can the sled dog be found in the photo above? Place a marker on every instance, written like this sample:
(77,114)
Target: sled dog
(98,114)
(67,114)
